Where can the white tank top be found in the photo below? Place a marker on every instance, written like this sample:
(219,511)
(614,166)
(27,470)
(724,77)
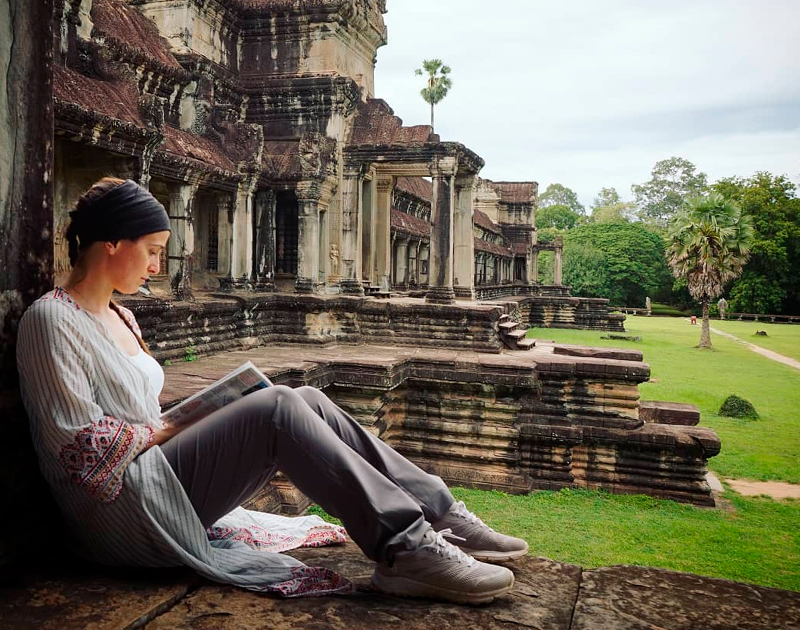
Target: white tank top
(150,367)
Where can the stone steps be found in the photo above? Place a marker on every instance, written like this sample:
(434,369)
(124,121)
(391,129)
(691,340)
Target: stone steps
(513,335)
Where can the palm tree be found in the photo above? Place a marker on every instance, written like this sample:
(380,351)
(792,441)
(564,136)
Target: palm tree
(710,240)
(439,83)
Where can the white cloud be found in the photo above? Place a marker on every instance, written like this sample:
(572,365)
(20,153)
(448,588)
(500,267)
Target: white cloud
(591,94)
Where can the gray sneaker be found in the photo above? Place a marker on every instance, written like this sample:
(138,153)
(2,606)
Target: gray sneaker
(476,538)
(440,570)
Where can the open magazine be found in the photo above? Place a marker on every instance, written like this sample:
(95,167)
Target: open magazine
(245,379)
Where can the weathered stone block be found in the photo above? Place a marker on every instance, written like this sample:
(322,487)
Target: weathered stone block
(660,412)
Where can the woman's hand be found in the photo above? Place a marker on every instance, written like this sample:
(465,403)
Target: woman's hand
(163,435)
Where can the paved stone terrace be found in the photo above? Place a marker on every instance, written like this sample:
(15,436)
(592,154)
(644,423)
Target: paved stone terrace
(547,596)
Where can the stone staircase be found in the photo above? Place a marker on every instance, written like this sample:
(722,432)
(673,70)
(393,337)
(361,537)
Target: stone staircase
(513,335)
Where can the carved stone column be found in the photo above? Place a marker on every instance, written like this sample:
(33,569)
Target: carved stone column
(180,247)
(264,240)
(225,209)
(308,201)
(557,279)
(368,197)
(383,226)
(417,263)
(463,240)
(533,277)
(401,263)
(351,253)
(241,254)
(440,290)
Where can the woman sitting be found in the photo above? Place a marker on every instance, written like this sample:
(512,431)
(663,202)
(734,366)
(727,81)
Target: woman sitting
(137,493)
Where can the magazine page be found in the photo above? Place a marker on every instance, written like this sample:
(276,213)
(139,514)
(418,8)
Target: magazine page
(244,380)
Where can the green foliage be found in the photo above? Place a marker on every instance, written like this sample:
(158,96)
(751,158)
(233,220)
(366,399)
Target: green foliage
(632,258)
(439,82)
(769,283)
(672,182)
(709,244)
(191,353)
(585,271)
(558,194)
(737,407)
(558,216)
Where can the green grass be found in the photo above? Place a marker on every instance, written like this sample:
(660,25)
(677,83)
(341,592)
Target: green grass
(781,338)
(757,542)
(765,449)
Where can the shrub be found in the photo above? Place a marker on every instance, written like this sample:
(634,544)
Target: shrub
(737,407)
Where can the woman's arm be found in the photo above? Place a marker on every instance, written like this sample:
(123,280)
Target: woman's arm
(163,435)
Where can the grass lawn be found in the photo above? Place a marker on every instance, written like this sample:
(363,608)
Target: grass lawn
(756,540)
(781,338)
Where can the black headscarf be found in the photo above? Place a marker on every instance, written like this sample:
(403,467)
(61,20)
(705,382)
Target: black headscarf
(127,211)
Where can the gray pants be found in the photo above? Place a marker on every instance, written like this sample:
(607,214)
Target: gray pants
(383,500)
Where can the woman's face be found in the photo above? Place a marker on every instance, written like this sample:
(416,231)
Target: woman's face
(133,262)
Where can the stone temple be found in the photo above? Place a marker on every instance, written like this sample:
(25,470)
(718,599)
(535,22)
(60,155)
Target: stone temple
(315,234)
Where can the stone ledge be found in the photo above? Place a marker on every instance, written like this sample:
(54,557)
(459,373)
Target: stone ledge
(548,595)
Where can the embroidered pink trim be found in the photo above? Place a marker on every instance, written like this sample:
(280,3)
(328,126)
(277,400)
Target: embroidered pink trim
(312,582)
(98,456)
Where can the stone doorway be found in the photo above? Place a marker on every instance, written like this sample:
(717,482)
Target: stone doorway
(286,240)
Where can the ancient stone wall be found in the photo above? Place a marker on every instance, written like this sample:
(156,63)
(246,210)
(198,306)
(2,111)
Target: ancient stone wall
(228,322)
(26,247)
(570,312)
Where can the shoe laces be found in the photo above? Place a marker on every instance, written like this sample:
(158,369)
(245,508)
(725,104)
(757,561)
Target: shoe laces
(448,550)
(460,510)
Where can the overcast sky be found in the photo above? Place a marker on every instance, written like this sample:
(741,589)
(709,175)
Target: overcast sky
(592,93)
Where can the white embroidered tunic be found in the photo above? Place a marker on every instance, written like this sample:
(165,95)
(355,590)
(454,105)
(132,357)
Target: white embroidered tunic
(92,413)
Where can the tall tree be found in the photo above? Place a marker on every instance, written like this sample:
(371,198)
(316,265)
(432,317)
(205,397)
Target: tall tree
(769,283)
(710,240)
(439,82)
(557,216)
(608,207)
(558,194)
(673,181)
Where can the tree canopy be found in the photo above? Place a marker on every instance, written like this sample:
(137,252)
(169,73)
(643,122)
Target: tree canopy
(623,262)
(558,194)
(558,216)
(672,182)
(608,207)
(769,283)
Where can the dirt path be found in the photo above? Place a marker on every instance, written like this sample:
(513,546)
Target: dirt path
(774,489)
(762,351)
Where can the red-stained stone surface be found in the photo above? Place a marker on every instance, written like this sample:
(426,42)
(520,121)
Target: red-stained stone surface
(376,124)
(520,248)
(483,220)
(189,145)
(419,187)
(116,99)
(492,248)
(515,192)
(129,26)
(281,158)
(409,224)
